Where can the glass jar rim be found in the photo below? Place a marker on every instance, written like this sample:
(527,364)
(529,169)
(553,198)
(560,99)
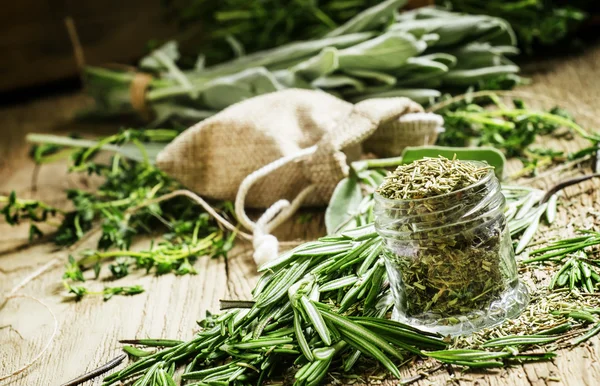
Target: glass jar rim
(488,176)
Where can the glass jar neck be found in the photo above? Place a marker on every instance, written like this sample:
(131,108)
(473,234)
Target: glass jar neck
(447,214)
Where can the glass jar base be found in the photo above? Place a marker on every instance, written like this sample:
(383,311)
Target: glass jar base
(508,306)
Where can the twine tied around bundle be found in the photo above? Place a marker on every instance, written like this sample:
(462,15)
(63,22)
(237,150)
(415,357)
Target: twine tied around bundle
(137,94)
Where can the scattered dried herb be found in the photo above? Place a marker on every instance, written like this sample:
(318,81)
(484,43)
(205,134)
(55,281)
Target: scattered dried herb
(430,177)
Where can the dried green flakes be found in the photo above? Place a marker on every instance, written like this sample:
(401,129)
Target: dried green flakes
(430,177)
(448,254)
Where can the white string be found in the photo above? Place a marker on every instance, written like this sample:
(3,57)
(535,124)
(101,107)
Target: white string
(266,246)
(197,199)
(12,295)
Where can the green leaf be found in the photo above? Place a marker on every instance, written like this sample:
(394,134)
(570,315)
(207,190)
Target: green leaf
(519,340)
(316,320)
(385,52)
(304,347)
(465,78)
(454,29)
(323,64)
(345,200)
(128,150)
(490,155)
(285,53)
(374,76)
(422,96)
(227,90)
(337,81)
(370,18)
(136,352)
(169,49)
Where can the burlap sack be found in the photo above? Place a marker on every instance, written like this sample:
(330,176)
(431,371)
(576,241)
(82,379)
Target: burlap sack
(214,156)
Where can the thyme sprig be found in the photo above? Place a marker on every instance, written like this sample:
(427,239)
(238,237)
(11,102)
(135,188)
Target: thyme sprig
(484,119)
(17,210)
(107,293)
(125,207)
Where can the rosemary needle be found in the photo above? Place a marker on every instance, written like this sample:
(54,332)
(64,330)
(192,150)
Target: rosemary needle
(94,373)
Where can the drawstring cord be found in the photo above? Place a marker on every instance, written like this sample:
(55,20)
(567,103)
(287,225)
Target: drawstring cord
(266,246)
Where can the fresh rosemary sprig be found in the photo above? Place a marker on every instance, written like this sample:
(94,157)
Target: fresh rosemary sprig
(317,307)
(576,273)
(560,249)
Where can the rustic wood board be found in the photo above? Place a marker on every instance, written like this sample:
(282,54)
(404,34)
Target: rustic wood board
(89,330)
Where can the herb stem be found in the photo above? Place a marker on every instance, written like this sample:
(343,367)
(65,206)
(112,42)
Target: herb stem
(94,373)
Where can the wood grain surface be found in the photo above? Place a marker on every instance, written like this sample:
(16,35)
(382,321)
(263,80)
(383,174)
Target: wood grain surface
(88,330)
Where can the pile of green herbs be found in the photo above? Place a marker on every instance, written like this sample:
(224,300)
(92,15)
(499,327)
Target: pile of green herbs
(379,53)
(125,206)
(322,307)
(318,307)
(537,23)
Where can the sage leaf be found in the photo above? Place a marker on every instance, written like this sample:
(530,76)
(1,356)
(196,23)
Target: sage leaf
(344,201)
(337,81)
(285,53)
(374,76)
(323,64)
(227,90)
(131,151)
(418,95)
(464,78)
(385,52)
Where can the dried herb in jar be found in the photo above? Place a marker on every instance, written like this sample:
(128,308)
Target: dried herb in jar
(447,247)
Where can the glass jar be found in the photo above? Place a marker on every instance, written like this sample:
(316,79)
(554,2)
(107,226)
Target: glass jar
(450,260)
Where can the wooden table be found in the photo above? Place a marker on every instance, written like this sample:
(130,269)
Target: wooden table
(88,330)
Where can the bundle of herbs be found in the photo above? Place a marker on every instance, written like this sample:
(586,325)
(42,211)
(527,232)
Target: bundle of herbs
(375,54)
(322,307)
